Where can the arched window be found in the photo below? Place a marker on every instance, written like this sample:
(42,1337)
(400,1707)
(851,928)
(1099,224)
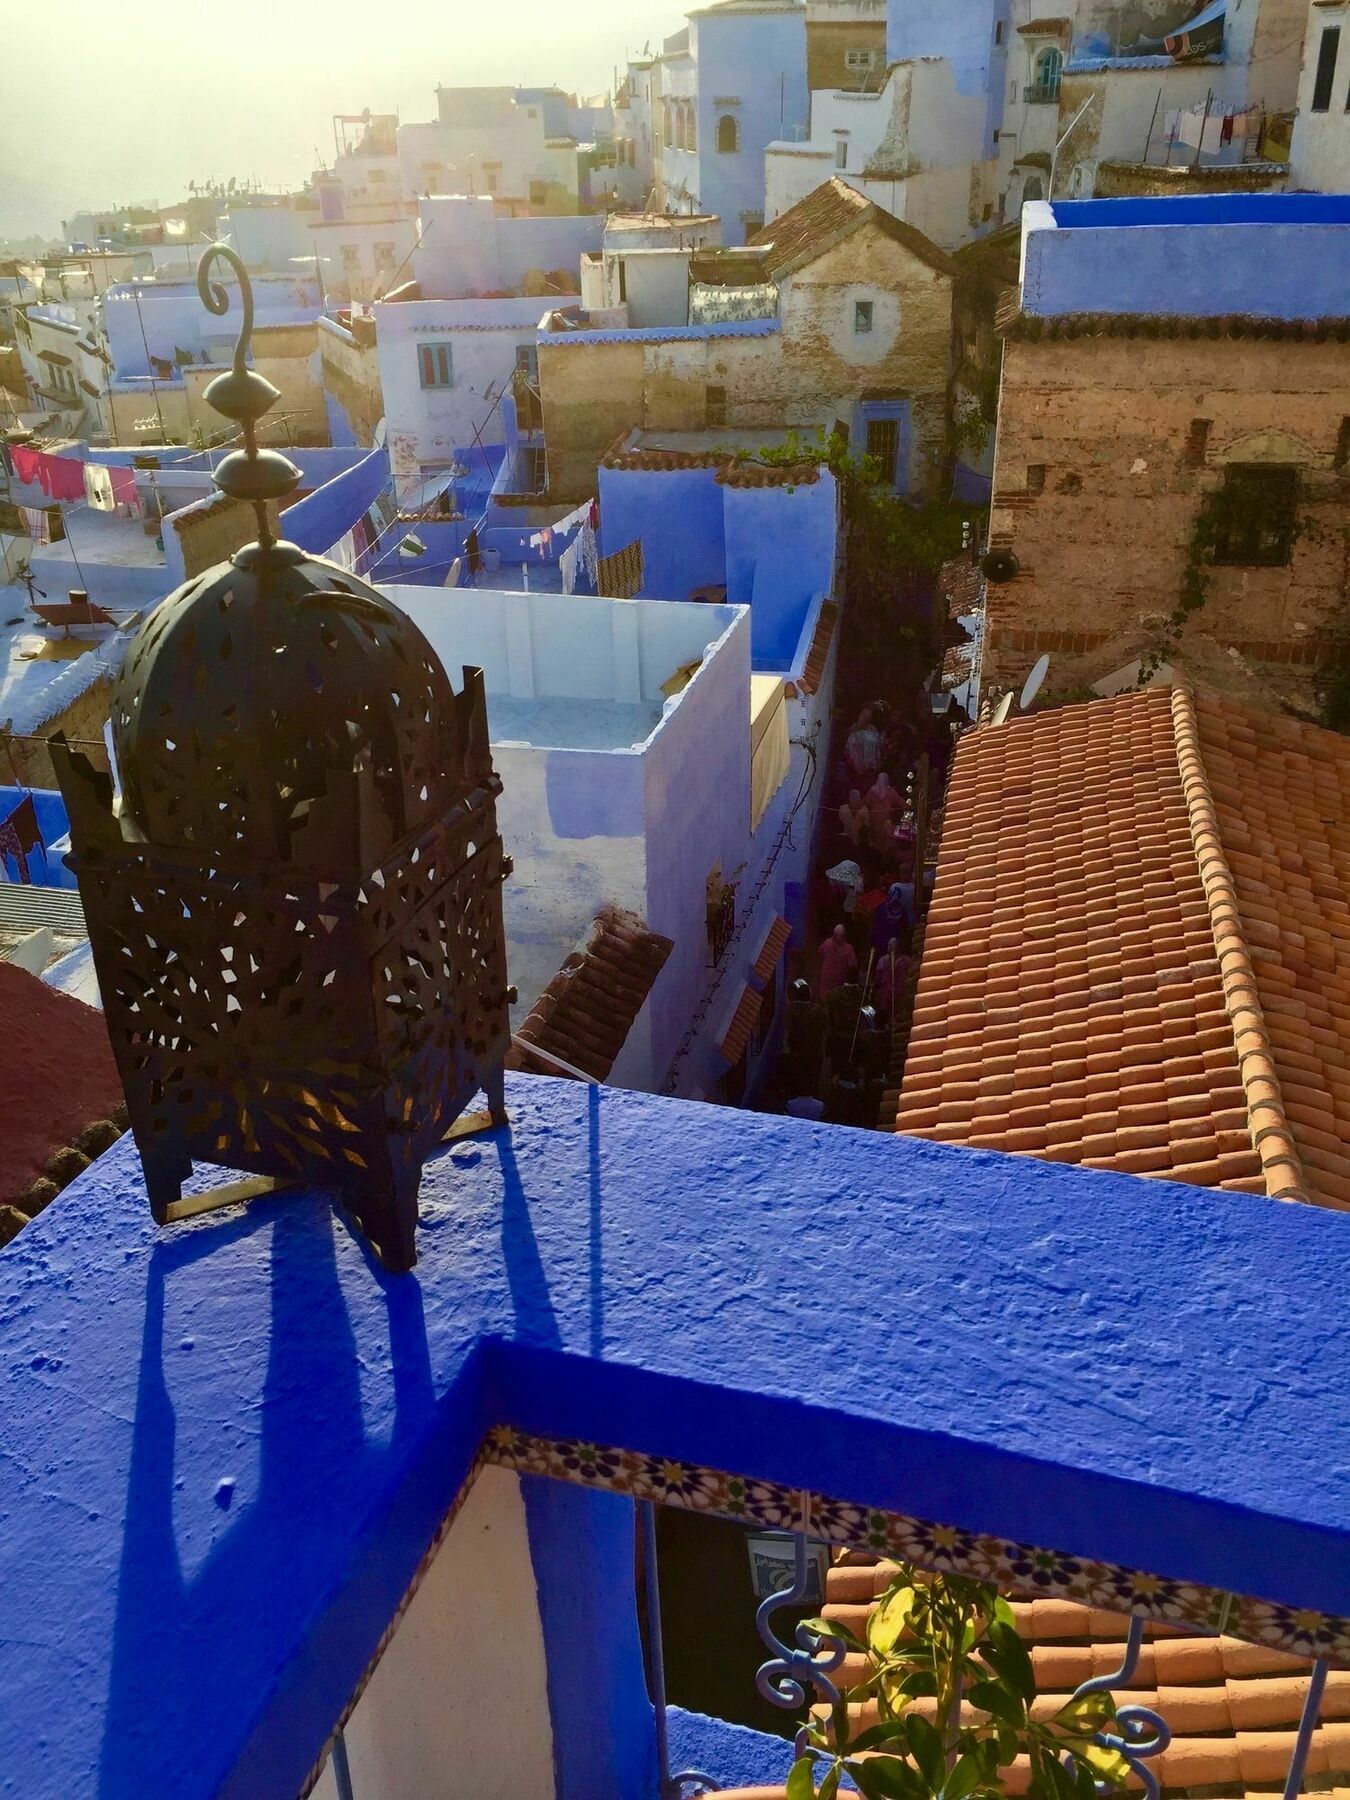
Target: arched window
(1045,74)
(691,125)
(728,134)
(1033,188)
(681,126)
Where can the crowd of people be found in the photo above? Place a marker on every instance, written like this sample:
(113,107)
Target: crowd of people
(867,900)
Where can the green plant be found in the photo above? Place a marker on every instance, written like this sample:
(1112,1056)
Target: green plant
(950,1640)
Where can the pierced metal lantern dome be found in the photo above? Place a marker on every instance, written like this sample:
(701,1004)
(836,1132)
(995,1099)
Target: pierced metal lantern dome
(295,908)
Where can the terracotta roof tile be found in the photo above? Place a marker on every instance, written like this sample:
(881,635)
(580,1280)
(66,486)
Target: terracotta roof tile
(820,217)
(1145,895)
(775,942)
(742,1023)
(813,670)
(1233,1707)
(584,1015)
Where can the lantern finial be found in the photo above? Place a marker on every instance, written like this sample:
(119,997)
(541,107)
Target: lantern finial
(244,395)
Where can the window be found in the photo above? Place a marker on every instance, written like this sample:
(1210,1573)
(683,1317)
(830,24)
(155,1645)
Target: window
(384,259)
(681,138)
(1327,52)
(1045,76)
(841,154)
(490,180)
(435,366)
(538,193)
(861,61)
(1033,188)
(351,256)
(862,315)
(714,406)
(691,126)
(1035,478)
(623,280)
(998,32)
(1256,527)
(883,444)
(728,135)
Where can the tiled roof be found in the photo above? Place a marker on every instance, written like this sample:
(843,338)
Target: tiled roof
(1233,1707)
(1138,952)
(732,470)
(585,1013)
(1014,323)
(57,1074)
(737,1034)
(775,942)
(824,214)
(817,656)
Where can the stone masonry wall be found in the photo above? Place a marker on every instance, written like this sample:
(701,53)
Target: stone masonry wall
(1102,459)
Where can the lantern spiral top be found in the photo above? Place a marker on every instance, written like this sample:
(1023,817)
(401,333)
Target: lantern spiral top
(244,395)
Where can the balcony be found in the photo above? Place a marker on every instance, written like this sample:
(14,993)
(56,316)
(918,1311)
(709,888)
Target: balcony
(273,1515)
(1042,93)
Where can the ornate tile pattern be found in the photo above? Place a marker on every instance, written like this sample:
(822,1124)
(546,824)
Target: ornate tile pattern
(1023,1570)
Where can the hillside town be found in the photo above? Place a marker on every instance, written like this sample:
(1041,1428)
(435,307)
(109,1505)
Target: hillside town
(675,929)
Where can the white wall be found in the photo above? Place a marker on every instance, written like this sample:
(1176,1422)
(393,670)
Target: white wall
(350,255)
(1320,157)
(458,1703)
(427,424)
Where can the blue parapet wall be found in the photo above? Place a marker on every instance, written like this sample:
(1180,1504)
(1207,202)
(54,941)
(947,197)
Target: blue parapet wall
(228,1444)
(1273,256)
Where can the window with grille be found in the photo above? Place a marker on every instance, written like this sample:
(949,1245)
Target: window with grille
(1260,513)
(1046,73)
(883,445)
(435,366)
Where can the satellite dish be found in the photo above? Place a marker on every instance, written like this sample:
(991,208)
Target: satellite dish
(1033,683)
(1000,566)
(1002,710)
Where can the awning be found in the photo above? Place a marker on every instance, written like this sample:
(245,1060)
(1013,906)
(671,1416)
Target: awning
(771,950)
(54,356)
(770,752)
(740,1026)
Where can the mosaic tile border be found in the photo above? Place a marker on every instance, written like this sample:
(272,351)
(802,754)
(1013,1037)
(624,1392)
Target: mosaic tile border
(1022,1570)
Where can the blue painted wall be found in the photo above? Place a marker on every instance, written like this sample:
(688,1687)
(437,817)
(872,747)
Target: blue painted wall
(54,826)
(329,512)
(600,1272)
(759,58)
(678,515)
(604,1735)
(733,1755)
(971,34)
(780,558)
(1196,257)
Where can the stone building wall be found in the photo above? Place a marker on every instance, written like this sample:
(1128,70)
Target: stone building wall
(350,369)
(1102,461)
(828,42)
(809,375)
(27,760)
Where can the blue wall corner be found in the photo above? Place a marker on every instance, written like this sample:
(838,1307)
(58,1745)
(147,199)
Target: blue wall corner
(604,1731)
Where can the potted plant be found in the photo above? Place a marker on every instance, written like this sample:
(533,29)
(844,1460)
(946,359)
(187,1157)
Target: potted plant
(950,1640)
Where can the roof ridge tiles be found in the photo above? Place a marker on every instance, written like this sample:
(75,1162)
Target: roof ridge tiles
(1271,1133)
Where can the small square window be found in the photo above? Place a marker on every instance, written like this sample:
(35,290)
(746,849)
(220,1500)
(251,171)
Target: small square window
(1260,512)
(435,366)
(862,315)
(1035,478)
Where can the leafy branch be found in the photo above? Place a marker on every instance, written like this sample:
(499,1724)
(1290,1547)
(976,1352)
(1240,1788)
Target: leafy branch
(952,1642)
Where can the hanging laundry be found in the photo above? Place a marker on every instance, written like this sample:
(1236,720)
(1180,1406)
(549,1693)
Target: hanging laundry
(620,576)
(343,553)
(60,477)
(25,464)
(98,487)
(1190,126)
(590,556)
(124,488)
(19,834)
(1212,136)
(567,562)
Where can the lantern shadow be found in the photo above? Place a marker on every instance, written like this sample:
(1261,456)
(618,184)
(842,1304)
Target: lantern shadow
(172,1694)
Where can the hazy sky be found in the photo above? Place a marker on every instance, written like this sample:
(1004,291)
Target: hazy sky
(103,105)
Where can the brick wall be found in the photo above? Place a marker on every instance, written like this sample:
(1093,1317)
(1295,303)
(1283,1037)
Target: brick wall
(213,530)
(1105,449)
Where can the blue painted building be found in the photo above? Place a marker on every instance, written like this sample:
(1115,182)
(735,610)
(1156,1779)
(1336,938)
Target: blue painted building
(1270,256)
(730,85)
(259,1490)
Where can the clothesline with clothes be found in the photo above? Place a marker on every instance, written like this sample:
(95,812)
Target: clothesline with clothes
(1209,129)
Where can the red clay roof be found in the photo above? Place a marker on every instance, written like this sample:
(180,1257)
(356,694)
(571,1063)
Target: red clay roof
(1233,1707)
(585,1013)
(817,656)
(1138,952)
(738,1032)
(827,212)
(57,1074)
(775,942)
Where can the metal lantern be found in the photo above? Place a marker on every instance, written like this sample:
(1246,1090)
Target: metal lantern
(295,909)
